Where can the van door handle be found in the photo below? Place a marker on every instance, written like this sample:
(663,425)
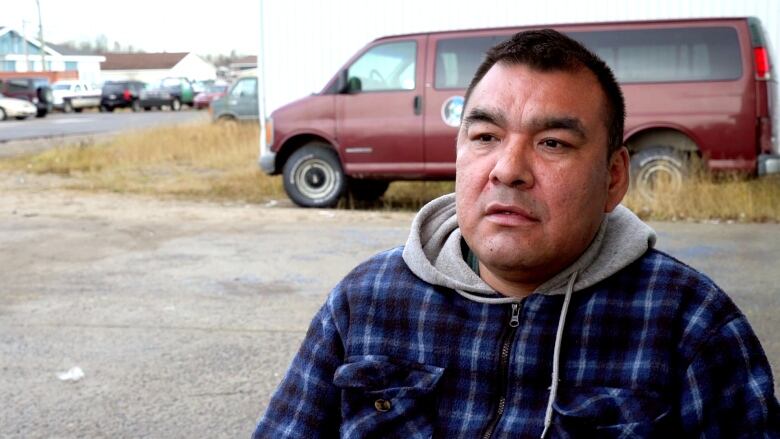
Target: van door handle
(417,105)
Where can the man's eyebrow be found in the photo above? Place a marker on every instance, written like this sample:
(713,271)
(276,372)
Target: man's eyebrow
(572,124)
(485,115)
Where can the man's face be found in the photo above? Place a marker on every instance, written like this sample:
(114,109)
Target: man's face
(532,176)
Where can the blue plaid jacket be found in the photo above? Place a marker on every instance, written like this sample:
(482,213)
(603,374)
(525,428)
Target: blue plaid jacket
(657,349)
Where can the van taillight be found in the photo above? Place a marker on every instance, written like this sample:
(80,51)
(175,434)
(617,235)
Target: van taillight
(761,56)
(126,95)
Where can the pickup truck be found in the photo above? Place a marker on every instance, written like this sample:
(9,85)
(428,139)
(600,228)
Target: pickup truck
(70,96)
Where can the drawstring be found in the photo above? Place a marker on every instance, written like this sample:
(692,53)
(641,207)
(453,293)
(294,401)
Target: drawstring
(557,354)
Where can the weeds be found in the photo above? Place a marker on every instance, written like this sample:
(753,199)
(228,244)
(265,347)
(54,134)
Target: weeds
(213,162)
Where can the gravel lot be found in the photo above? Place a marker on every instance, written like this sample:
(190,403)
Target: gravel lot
(184,315)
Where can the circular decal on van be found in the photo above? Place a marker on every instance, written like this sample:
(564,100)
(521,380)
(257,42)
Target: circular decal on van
(452,110)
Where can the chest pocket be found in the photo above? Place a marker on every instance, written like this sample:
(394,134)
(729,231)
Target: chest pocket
(608,412)
(386,397)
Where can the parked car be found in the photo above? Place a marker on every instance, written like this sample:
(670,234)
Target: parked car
(18,108)
(73,95)
(121,94)
(156,95)
(239,104)
(180,89)
(35,90)
(693,88)
(204,99)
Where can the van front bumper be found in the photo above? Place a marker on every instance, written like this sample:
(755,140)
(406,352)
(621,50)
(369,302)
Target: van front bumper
(268,162)
(768,164)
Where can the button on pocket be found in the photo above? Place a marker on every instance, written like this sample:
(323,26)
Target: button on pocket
(382,405)
(387,397)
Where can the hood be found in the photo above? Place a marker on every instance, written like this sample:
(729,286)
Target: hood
(433,252)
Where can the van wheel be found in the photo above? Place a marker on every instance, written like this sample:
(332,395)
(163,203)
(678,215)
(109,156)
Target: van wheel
(3,114)
(67,107)
(313,176)
(367,190)
(175,105)
(659,168)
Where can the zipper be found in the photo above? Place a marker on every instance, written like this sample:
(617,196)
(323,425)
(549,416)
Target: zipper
(503,372)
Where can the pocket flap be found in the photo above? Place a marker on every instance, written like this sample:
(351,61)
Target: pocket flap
(386,376)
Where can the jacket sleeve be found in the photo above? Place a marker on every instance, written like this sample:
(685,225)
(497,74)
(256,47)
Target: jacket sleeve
(306,403)
(728,389)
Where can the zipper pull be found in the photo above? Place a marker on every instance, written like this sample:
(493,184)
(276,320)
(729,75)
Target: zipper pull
(515,321)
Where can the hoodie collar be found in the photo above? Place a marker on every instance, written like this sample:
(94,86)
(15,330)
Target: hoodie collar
(433,252)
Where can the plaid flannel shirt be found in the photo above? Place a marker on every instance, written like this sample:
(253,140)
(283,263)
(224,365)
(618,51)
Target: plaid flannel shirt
(655,349)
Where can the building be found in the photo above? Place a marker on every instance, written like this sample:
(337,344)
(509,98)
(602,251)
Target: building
(20,54)
(152,67)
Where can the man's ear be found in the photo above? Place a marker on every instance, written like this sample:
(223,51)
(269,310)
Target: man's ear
(619,164)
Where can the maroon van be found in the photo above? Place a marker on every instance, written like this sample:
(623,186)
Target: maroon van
(692,87)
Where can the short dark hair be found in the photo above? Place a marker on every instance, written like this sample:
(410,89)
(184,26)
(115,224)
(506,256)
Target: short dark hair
(550,50)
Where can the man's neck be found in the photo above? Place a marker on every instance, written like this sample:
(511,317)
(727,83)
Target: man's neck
(509,288)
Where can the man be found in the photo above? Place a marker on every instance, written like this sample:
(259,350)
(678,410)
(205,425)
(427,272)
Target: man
(529,303)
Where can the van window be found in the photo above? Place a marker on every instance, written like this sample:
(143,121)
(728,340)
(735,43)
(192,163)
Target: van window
(244,87)
(457,59)
(386,67)
(668,55)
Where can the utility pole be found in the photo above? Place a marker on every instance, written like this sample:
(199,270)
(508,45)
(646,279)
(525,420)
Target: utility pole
(40,37)
(26,47)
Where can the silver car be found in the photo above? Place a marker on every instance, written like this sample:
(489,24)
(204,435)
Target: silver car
(18,108)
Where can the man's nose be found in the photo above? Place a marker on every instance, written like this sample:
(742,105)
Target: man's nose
(513,165)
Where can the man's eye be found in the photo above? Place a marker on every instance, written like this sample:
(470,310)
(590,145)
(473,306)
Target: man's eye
(485,138)
(552,143)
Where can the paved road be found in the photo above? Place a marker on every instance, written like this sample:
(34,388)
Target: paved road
(184,315)
(59,124)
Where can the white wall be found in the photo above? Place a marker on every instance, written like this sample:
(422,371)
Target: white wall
(195,68)
(306,41)
(139,75)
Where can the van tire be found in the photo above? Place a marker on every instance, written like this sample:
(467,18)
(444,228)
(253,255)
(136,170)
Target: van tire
(313,176)
(367,190)
(650,165)
(67,106)
(3,114)
(175,105)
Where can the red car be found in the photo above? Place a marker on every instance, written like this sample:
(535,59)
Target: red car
(203,100)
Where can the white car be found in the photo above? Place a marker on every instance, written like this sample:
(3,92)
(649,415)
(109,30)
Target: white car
(18,108)
(72,95)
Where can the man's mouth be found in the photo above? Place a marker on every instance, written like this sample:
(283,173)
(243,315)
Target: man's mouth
(509,215)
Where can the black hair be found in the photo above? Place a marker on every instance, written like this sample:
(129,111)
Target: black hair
(549,50)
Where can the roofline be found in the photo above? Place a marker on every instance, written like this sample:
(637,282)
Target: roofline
(571,24)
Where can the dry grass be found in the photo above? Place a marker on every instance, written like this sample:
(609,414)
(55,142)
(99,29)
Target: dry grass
(214,162)
(191,161)
(705,197)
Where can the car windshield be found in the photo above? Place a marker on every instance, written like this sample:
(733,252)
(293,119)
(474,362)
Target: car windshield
(60,86)
(114,87)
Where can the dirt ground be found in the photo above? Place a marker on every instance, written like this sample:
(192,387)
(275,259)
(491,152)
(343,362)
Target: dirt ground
(183,315)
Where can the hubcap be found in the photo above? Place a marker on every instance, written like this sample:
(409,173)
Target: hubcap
(315,178)
(659,177)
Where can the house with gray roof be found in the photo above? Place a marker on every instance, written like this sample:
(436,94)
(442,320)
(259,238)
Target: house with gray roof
(152,67)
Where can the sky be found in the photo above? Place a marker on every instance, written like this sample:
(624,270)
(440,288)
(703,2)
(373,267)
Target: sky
(149,25)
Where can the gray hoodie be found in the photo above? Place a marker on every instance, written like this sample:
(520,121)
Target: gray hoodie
(433,253)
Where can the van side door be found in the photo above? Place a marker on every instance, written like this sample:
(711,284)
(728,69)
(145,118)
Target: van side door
(453,60)
(379,120)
